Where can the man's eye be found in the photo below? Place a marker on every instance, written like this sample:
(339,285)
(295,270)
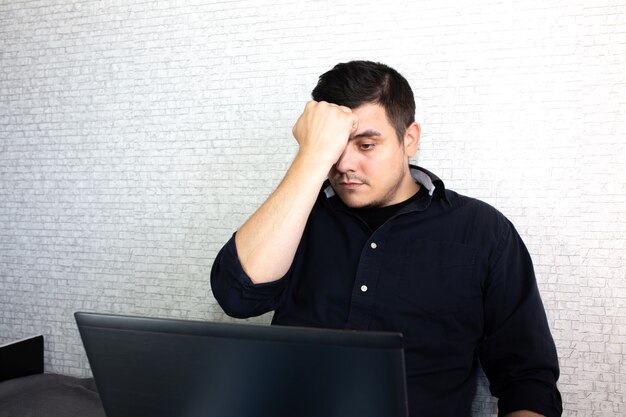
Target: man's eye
(367,146)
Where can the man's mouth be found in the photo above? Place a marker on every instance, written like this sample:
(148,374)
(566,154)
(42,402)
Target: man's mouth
(349,181)
(350,185)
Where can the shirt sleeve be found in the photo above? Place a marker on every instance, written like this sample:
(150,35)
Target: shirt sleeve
(518,354)
(235,292)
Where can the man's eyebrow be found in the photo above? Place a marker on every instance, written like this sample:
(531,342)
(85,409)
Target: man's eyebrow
(366,134)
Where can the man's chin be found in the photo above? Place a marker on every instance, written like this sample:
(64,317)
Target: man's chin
(356,203)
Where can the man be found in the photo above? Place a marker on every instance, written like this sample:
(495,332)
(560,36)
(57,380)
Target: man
(354,237)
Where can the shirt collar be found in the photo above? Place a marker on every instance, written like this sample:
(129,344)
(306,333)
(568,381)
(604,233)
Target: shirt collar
(425,178)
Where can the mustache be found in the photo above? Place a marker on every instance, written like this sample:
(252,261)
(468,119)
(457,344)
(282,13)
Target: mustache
(339,178)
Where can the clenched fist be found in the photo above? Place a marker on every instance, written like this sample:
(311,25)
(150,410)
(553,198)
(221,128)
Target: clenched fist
(323,129)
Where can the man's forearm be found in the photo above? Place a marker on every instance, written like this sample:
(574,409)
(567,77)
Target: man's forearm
(268,240)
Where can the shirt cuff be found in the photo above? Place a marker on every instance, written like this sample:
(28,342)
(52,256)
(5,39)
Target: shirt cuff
(251,290)
(531,396)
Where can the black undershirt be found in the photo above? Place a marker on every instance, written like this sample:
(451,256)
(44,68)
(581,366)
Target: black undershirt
(376,216)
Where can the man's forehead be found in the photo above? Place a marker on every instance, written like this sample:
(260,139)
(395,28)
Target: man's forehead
(373,121)
(365,133)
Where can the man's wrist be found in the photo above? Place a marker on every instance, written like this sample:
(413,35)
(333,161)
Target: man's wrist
(314,165)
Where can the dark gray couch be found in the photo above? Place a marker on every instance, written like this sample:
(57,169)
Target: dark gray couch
(26,391)
(49,395)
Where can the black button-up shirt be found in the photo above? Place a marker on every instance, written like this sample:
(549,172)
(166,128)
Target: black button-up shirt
(449,272)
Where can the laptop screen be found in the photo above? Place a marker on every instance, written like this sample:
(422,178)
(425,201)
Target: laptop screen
(169,368)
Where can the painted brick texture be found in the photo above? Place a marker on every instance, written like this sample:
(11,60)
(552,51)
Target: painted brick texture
(135,136)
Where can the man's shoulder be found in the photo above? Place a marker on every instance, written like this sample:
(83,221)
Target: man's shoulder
(475,207)
(457,199)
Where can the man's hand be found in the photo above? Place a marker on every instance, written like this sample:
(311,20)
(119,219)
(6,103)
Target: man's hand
(322,131)
(523,413)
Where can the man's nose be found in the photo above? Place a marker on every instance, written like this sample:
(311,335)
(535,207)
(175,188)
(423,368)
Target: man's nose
(347,160)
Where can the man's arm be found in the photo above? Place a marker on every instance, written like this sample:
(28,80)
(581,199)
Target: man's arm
(267,242)
(518,353)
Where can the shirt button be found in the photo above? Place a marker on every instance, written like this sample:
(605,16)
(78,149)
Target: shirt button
(373,245)
(364,288)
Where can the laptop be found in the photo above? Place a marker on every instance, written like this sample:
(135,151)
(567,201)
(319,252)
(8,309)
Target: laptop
(181,368)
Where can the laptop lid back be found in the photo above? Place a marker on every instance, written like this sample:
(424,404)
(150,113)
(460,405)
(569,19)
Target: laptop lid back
(168,368)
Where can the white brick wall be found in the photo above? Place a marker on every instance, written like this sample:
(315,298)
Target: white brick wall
(136,136)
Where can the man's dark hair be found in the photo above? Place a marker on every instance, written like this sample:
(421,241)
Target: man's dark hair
(355,83)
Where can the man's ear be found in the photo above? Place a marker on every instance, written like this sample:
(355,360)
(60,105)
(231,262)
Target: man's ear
(412,139)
